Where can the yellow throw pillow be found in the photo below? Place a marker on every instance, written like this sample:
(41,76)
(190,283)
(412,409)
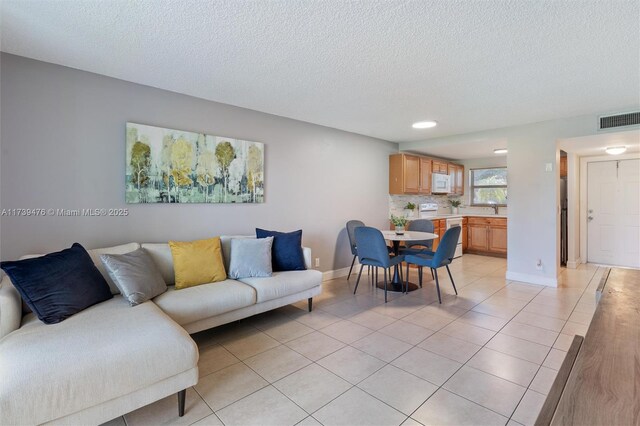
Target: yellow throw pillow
(197,262)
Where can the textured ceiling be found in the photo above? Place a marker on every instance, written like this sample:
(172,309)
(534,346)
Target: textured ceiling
(595,144)
(369,67)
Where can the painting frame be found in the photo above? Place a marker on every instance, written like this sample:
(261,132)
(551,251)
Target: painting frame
(170,166)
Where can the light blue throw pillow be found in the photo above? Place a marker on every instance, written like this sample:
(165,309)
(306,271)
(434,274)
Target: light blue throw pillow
(250,258)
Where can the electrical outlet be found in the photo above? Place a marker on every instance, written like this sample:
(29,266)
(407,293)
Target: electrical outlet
(317,262)
(539,264)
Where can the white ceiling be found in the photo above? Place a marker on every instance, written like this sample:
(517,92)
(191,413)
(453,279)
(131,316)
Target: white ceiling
(464,149)
(595,144)
(369,67)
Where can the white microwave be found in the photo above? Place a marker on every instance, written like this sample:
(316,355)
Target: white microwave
(440,183)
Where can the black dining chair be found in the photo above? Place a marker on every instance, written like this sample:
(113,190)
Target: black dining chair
(443,256)
(373,251)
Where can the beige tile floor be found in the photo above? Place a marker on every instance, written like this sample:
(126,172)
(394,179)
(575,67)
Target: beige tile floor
(487,356)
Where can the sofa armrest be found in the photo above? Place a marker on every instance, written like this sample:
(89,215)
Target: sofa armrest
(10,307)
(306,251)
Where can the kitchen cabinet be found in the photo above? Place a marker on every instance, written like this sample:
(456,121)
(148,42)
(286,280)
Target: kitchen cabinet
(439,227)
(563,166)
(465,231)
(425,176)
(439,166)
(487,235)
(412,174)
(456,173)
(409,174)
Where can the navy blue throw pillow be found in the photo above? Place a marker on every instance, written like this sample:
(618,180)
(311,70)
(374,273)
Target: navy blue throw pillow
(58,285)
(286,252)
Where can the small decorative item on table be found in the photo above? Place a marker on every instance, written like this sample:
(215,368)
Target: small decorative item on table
(455,204)
(399,222)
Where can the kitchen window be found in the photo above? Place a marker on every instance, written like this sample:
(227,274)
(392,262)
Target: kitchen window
(489,186)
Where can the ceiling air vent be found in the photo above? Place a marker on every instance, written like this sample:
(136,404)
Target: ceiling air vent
(620,120)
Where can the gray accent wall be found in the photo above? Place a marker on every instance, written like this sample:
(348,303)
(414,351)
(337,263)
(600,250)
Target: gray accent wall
(63,147)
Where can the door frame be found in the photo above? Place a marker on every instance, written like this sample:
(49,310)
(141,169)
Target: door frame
(584,163)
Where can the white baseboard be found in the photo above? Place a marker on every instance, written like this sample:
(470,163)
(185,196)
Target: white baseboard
(573,264)
(337,273)
(532,279)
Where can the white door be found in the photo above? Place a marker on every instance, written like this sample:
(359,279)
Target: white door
(613,213)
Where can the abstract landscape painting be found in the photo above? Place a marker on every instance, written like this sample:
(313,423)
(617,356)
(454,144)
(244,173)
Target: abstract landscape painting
(174,166)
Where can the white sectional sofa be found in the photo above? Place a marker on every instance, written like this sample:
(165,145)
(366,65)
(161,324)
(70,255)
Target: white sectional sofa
(111,358)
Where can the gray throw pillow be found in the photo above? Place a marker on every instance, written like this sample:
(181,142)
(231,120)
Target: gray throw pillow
(250,258)
(135,274)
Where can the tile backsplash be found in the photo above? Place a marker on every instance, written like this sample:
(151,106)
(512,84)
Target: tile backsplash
(397,203)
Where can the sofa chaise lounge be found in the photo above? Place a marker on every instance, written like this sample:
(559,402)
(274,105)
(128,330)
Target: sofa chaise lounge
(111,358)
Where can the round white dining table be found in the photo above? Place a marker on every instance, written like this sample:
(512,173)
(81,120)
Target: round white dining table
(408,236)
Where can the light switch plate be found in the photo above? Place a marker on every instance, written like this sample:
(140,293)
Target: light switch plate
(548,167)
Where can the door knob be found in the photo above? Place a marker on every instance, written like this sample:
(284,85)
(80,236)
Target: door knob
(590,218)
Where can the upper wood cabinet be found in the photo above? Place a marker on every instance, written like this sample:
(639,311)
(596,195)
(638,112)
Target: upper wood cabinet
(425,175)
(440,166)
(409,174)
(563,166)
(456,172)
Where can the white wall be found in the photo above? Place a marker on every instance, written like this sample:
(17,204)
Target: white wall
(534,211)
(63,146)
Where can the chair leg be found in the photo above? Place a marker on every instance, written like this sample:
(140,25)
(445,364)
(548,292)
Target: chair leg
(181,397)
(375,282)
(452,283)
(432,277)
(420,275)
(310,303)
(437,285)
(353,262)
(385,285)
(358,280)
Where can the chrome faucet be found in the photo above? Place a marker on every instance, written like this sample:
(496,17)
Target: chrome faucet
(495,207)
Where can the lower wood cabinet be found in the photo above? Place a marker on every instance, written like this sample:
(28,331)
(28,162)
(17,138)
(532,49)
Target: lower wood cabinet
(487,235)
(465,232)
(439,227)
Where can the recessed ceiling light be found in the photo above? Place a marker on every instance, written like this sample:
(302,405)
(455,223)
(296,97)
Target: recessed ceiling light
(500,151)
(615,150)
(424,124)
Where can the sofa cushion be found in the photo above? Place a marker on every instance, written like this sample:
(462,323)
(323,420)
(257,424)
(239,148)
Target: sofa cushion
(250,258)
(196,303)
(286,252)
(104,352)
(282,284)
(135,274)
(197,262)
(121,249)
(58,285)
(161,255)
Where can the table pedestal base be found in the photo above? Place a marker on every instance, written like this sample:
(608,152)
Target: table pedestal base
(397,287)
